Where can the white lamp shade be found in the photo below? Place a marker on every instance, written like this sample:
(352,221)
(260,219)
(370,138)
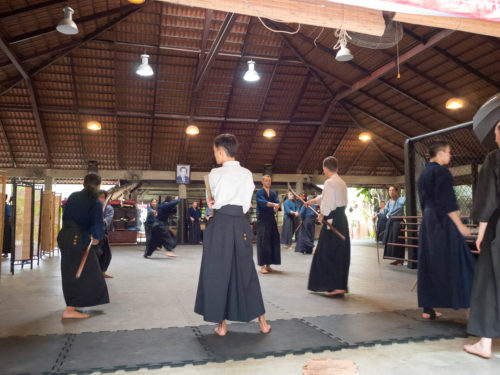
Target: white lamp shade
(192,130)
(454,103)
(251,75)
(269,133)
(344,54)
(67,26)
(145,69)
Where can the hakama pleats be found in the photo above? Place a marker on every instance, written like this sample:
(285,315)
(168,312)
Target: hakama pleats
(331,261)
(228,286)
(287,230)
(305,236)
(90,289)
(391,235)
(445,263)
(7,238)
(161,236)
(194,232)
(104,253)
(484,319)
(268,241)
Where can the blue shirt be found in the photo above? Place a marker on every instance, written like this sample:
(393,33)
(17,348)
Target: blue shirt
(290,205)
(262,200)
(109,212)
(87,213)
(150,218)
(304,211)
(394,208)
(8,211)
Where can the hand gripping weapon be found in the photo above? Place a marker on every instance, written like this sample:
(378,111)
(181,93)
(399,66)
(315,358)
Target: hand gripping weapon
(317,214)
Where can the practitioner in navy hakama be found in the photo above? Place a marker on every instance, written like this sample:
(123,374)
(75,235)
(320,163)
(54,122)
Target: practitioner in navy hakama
(289,220)
(161,235)
(228,287)
(445,262)
(305,235)
(194,215)
(103,250)
(268,237)
(82,223)
(484,319)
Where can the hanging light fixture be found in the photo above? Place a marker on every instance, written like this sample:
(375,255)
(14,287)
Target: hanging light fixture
(251,75)
(192,130)
(145,69)
(94,125)
(136,1)
(67,26)
(365,137)
(269,133)
(454,103)
(344,54)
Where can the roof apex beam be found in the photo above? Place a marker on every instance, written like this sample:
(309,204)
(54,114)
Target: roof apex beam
(224,31)
(42,4)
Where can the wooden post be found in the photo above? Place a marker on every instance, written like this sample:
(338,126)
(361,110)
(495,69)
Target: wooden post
(3,189)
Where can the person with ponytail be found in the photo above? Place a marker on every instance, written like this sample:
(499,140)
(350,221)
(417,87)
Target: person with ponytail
(82,225)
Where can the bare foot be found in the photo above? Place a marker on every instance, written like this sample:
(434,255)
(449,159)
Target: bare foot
(264,327)
(263,270)
(221,329)
(429,316)
(289,247)
(71,313)
(106,276)
(145,256)
(269,269)
(336,292)
(171,254)
(482,348)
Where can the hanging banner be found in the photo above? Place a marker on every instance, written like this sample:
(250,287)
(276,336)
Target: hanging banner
(488,10)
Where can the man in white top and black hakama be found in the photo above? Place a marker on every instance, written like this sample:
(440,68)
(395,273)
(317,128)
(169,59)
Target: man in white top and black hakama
(229,287)
(330,265)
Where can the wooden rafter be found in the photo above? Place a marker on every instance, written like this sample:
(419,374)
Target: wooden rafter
(302,92)
(78,21)
(29,8)
(209,15)
(386,157)
(337,146)
(9,149)
(32,96)
(71,47)
(262,107)
(357,158)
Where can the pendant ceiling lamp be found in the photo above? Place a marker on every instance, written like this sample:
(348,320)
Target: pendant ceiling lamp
(365,137)
(67,26)
(269,133)
(192,130)
(454,103)
(145,69)
(344,54)
(136,1)
(251,75)
(94,125)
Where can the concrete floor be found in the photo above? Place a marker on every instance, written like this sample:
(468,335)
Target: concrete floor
(159,293)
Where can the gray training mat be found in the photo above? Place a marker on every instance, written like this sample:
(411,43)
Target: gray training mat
(384,328)
(244,340)
(31,354)
(152,348)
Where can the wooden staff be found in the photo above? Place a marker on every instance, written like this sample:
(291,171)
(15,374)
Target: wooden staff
(296,230)
(317,214)
(207,188)
(84,259)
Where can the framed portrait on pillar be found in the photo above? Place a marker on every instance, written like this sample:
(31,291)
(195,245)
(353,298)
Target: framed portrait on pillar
(182,174)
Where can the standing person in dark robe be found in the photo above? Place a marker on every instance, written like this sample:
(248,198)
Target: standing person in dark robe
(395,207)
(82,225)
(289,220)
(228,288)
(103,250)
(445,263)
(150,219)
(194,215)
(161,235)
(381,222)
(268,237)
(330,265)
(7,229)
(484,319)
(305,237)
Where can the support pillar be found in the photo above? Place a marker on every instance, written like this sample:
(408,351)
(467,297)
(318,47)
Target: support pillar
(181,218)
(48,183)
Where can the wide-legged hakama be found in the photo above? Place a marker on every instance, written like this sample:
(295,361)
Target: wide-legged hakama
(305,237)
(194,232)
(161,236)
(268,241)
(228,286)
(90,289)
(331,261)
(287,230)
(391,235)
